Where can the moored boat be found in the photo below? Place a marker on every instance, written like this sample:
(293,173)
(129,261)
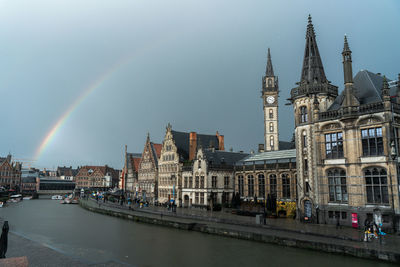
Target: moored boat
(56,197)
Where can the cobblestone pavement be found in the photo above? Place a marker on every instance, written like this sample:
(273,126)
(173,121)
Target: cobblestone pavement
(40,255)
(283,227)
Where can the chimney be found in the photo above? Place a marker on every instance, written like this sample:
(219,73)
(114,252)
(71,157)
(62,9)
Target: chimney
(260,148)
(220,141)
(192,145)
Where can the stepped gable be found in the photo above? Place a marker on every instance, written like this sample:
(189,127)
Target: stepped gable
(367,88)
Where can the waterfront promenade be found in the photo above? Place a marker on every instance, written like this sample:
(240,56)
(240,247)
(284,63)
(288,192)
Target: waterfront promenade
(286,232)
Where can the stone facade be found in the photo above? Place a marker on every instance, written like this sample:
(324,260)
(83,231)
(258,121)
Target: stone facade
(346,144)
(209,181)
(148,171)
(270,94)
(179,150)
(129,175)
(272,173)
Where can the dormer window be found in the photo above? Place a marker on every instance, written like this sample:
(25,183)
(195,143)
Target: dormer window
(90,171)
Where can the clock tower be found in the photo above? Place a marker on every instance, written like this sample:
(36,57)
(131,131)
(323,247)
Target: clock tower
(270,95)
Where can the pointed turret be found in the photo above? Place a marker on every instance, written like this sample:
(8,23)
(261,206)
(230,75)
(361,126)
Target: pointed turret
(350,100)
(313,81)
(269,71)
(313,71)
(385,90)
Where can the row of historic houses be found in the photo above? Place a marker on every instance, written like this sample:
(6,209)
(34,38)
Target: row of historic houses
(342,164)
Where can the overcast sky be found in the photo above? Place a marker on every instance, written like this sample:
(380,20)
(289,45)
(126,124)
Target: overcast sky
(195,64)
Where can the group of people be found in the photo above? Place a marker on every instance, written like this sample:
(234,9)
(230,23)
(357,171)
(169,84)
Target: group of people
(372,230)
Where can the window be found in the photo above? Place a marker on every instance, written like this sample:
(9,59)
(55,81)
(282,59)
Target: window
(272,185)
(269,83)
(201,198)
(372,141)
(337,186)
(344,215)
(330,214)
(214,181)
(271,141)
(201,181)
(250,183)
(214,198)
(261,185)
(240,185)
(376,186)
(271,127)
(197,182)
(304,139)
(185,182)
(226,182)
(285,185)
(303,114)
(196,198)
(271,114)
(334,145)
(190,182)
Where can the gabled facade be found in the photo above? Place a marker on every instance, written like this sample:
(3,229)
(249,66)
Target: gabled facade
(209,181)
(100,177)
(148,171)
(10,173)
(347,144)
(129,174)
(178,150)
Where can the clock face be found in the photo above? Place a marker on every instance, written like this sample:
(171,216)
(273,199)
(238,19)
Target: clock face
(270,99)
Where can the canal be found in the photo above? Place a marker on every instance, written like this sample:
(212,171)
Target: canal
(97,238)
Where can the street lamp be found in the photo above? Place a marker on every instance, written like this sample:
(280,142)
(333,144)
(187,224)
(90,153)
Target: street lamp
(393,156)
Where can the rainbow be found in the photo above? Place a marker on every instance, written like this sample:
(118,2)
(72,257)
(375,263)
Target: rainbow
(86,92)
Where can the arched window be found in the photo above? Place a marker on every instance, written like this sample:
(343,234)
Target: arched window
(261,185)
(271,141)
(285,185)
(250,184)
(271,127)
(272,185)
(303,114)
(269,82)
(271,113)
(240,185)
(337,185)
(376,186)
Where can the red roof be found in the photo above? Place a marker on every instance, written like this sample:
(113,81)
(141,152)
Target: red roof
(135,163)
(157,148)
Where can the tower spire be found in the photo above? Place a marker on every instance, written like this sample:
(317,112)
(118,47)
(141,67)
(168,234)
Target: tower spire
(313,70)
(269,71)
(349,98)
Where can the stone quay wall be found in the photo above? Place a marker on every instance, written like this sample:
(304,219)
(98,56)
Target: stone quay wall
(303,241)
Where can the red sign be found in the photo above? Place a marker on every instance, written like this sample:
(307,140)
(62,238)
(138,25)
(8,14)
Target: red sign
(354,220)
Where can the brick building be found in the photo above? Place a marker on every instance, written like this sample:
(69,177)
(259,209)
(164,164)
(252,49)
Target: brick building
(101,177)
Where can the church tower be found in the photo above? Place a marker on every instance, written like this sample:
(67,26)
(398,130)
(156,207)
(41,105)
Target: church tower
(314,94)
(270,93)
